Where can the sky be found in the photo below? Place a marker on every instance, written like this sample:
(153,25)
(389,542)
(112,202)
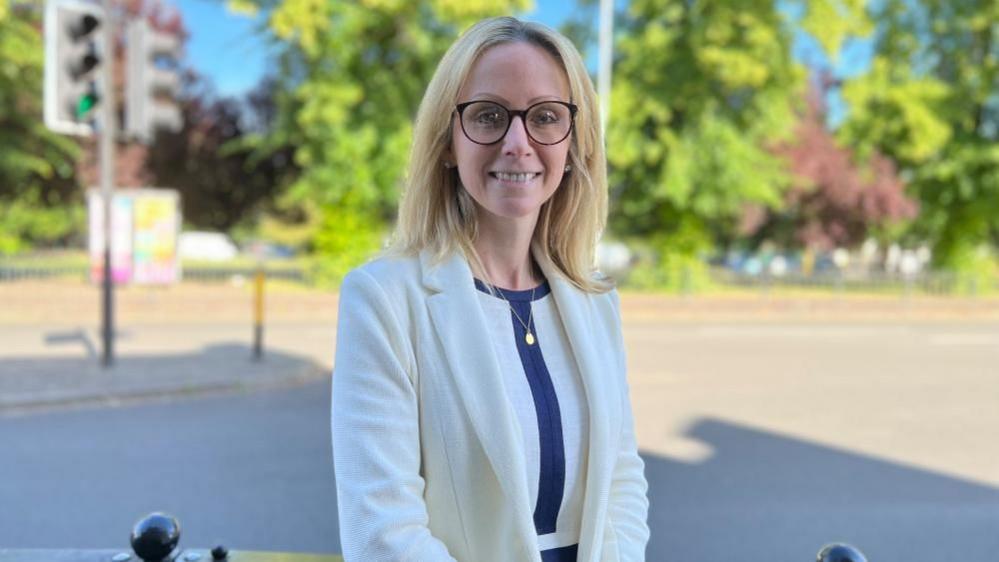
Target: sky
(229,49)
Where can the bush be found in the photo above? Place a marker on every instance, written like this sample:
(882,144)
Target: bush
(346,237)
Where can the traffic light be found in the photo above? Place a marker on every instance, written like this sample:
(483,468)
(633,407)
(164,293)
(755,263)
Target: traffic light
(151,81)
(73,58)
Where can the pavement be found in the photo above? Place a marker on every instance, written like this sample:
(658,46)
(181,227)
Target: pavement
(194,339)
(169,342)
(44,368)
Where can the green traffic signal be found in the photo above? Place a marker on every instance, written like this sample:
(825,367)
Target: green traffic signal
(86,103)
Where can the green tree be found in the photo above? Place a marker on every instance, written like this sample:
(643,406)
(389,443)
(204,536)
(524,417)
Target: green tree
(40,202)
(698,89)
(353,73)
(931,102)
(702,90)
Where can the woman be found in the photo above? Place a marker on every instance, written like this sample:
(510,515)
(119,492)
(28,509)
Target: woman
(480,409)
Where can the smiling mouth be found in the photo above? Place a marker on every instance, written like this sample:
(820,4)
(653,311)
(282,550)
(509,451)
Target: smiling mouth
(522,177)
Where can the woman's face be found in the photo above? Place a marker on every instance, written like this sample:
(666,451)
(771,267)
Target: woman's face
(515,176)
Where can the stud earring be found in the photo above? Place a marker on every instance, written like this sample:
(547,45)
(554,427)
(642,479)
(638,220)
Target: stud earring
(448,165)
(568,168)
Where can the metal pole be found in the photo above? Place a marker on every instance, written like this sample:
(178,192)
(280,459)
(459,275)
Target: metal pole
(106,133)
(606,48)
(258,313)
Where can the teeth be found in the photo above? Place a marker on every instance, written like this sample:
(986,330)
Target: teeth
(522,177)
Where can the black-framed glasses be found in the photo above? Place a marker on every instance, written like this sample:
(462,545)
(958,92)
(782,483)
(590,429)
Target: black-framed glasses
(487,122)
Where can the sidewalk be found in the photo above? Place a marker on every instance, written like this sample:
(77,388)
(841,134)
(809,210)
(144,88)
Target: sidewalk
(170,341)
(43,367)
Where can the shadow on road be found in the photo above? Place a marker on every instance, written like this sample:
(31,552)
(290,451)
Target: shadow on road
(226,466)
(764,496)
(33,382)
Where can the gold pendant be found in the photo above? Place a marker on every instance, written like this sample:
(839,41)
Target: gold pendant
(530,338)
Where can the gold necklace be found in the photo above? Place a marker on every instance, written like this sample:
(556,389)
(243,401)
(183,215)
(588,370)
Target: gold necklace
(529,337)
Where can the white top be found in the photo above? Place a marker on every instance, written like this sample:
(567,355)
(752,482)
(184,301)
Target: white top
(554,363)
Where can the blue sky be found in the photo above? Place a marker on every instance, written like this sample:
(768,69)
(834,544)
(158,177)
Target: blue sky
(228,48)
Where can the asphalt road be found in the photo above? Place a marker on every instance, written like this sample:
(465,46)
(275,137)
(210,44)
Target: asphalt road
(762,441)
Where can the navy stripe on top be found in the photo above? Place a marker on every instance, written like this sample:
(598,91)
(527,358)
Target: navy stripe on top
(551,480)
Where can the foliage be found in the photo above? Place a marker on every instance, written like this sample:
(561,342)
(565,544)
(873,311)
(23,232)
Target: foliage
(352,75)
(699,90)
(221,183)
(833,202)
(676,263)
(26,222)
(39,198)
(930,102)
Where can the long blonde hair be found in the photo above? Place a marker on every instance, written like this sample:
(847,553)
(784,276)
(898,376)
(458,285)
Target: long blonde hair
(437,213)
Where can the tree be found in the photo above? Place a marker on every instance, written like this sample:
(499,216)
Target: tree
(221,184)
(699,90)
(40,203)
(930,101)
(352,76)
(834,200)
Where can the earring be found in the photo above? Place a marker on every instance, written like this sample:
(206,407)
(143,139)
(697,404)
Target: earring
(448,165)
(568,168)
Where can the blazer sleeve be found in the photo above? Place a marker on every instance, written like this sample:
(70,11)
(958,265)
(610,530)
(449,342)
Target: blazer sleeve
(375,427)
(628,507)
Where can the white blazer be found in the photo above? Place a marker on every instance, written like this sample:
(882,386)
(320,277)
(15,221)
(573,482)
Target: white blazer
(428,454)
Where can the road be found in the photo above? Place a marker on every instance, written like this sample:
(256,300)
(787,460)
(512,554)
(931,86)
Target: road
(763,440)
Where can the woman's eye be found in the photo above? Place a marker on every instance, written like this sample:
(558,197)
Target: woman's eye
(490,117)
(545,117)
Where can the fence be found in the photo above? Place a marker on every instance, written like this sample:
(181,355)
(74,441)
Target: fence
(927,283)
(930,283)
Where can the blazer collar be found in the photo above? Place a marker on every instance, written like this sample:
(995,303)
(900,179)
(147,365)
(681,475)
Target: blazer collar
(461,328)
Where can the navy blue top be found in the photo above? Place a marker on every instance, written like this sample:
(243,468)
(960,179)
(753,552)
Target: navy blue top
(551,481)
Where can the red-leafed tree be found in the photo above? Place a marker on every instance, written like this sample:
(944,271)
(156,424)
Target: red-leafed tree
(221,182)
(835,200)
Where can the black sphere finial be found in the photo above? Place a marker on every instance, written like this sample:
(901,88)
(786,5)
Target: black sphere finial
(155,536)
(840,553)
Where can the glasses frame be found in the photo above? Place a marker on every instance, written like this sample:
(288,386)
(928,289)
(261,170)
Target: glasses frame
(522,113)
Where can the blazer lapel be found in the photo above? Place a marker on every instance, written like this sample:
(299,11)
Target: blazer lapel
(461,328)
(596,370)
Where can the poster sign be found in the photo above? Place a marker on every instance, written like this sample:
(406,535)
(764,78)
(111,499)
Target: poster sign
(156,223)
(144,227)
(121,237)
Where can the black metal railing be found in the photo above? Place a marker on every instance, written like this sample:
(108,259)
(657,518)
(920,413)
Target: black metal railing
(156,538)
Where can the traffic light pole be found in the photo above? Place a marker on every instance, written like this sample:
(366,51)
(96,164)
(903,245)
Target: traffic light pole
(106,136)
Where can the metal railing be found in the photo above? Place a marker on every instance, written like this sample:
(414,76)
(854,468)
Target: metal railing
(156,538)
(931,283)
(194,273)
(927,283)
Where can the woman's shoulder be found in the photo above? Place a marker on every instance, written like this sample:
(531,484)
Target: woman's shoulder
(389,269)
(392,276)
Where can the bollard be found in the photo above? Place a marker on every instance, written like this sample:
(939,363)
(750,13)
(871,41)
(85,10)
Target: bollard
(258,313)
(155,537)
(840,553)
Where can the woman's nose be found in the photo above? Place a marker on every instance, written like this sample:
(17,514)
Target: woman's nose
(516,141)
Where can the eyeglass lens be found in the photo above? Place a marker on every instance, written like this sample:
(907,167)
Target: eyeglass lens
(487,122)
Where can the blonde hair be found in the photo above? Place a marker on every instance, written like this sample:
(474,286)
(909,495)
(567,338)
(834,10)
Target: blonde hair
(437,213)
